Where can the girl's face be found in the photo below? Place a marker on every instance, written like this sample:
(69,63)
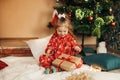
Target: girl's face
(62,31)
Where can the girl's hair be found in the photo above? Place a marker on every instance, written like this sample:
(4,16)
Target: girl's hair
(64,22)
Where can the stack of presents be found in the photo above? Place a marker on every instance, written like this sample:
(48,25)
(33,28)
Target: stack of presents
(63,62)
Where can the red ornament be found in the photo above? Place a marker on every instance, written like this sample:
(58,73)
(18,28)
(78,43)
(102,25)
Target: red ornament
(90,18)
(112,23)
(69,15)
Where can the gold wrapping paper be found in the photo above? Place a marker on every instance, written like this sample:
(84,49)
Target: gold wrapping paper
(67,65)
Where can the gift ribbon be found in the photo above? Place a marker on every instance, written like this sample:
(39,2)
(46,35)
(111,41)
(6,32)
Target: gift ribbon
(70,59)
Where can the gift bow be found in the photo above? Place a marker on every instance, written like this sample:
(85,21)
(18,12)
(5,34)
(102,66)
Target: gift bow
(67,59)
(70,59)
(61,15)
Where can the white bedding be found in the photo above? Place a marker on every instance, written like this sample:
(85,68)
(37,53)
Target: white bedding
(26,68)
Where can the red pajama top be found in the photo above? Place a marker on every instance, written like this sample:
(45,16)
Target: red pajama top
(58,45)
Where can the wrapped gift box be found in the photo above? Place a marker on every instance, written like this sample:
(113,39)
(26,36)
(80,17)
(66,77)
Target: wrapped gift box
(68,62)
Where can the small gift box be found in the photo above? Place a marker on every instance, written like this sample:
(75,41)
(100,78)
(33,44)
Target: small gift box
(67,62)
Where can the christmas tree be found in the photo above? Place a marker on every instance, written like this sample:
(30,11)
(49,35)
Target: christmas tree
(112,34)
(89,17)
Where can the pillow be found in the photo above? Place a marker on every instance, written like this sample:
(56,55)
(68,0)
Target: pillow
(2,65)
(106,61)
(37,46)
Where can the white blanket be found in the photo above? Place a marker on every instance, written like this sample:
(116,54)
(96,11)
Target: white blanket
(26,68)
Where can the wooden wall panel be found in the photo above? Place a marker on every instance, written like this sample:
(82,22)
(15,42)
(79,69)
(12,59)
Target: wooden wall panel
(25,18)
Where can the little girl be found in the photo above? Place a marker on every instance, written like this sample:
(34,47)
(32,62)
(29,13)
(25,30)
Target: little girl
(62,41)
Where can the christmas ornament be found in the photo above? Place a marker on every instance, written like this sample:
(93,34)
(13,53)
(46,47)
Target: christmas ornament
(69,15)
(99,22)
(112,23)
(108,19)
(79,14)
(87,12)
(90,18)
(110,10)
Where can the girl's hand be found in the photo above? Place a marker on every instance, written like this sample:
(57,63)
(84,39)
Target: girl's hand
(77,48)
